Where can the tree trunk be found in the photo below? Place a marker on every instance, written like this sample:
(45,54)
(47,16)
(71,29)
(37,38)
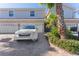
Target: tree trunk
(60,21)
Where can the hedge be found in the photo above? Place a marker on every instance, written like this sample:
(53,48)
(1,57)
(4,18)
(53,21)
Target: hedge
(71,46)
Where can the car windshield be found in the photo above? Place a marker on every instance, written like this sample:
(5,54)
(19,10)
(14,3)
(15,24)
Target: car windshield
(29,27)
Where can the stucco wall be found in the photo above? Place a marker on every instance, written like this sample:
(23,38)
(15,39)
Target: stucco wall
(68,12)
(22,13)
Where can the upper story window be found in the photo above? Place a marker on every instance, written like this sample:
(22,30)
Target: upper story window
(11,13)
(32,13)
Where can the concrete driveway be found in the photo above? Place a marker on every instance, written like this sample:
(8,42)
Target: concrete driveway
(10,47)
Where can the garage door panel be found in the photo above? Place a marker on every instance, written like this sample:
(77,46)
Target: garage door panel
(8,28)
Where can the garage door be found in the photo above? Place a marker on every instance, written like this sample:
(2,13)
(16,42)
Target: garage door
(8,27)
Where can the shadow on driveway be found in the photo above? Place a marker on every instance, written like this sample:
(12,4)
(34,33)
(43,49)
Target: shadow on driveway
(25,48)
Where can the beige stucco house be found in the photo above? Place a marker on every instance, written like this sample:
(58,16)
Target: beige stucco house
(13,19)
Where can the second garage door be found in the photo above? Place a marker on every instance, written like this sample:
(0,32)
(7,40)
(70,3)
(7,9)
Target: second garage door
(8,28)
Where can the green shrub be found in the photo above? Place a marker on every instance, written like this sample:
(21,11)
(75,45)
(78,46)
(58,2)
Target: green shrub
(70,36)
(54,32)
(71,46)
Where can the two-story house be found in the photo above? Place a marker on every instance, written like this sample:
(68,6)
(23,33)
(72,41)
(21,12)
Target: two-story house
(13,19)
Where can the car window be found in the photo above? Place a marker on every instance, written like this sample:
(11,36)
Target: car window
(29,27)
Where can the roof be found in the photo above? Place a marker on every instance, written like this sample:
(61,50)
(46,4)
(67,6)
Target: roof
(20,5)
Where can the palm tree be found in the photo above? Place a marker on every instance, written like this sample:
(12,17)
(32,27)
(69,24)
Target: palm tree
(49,6)
(48,22)
(60,21)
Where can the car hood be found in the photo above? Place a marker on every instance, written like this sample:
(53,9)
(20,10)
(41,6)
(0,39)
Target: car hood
(25,31)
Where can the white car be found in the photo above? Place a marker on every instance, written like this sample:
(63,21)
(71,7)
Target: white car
(29,32)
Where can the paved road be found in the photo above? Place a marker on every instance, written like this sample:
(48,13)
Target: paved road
(10,47)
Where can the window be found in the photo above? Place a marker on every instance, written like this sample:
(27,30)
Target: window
(10,13)
(32,13)
(29,27)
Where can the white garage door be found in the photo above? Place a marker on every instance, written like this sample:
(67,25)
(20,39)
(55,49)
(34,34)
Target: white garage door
(8,27)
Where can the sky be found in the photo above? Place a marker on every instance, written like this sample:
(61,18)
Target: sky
(20,5)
